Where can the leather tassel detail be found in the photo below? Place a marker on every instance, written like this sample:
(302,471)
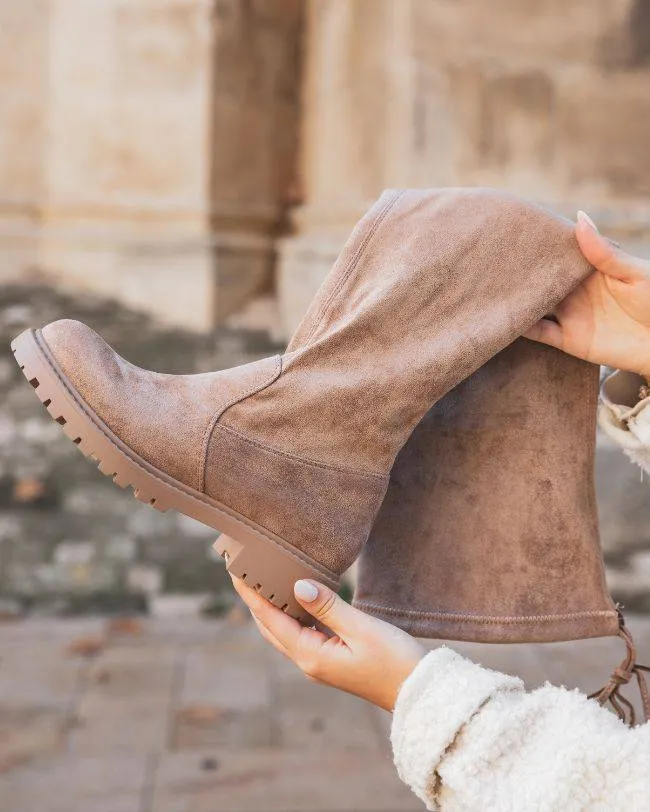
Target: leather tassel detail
(622,675)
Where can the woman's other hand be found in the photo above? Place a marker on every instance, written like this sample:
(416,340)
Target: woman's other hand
(366,656)
(606,320)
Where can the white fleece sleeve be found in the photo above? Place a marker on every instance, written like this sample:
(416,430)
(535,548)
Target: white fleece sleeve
(624,415)
(466,738)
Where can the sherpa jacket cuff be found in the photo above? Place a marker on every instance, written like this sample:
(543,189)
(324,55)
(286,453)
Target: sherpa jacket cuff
(624,414)
(439,697)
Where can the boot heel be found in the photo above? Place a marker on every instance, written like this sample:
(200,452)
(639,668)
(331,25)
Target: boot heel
(268,570)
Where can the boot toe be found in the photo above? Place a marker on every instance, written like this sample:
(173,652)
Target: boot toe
(79,352)
(163,418)
(155,415)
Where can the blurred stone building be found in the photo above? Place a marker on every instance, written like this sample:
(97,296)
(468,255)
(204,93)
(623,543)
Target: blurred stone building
(184,155)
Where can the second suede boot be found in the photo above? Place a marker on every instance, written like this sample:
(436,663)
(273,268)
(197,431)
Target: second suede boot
(489,531)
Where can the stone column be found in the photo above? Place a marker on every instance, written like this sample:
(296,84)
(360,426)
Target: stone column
(255,118)
(354,94)
(126,208)
(24,58)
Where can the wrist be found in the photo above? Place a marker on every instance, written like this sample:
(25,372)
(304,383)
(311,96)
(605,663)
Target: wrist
(403,672)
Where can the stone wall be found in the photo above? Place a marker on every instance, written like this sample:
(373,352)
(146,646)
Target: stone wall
(153,149)
(549,100)
(146,147)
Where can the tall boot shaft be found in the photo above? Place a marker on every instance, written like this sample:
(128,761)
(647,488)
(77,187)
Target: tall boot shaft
(431,284)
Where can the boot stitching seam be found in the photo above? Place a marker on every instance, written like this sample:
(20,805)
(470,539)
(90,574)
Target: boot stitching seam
(319,318)
(489,619)
(353,263)
(302,460)
(207,435)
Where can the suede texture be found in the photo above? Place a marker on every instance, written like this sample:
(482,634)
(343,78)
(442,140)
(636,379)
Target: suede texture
(322,511)
(165,419)
(488,531)
(429,287)
(171,421)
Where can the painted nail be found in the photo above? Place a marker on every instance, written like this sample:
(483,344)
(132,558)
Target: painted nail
(583,217)
(306,591)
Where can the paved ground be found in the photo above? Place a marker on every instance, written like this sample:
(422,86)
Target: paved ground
(190,715)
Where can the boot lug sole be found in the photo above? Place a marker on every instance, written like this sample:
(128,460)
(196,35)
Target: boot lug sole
(250,552)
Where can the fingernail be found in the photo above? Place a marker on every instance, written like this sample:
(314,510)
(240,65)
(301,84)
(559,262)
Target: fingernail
(306,591)
(583,217)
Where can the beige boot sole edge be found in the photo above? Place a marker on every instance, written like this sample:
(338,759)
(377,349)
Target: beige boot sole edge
(251,552)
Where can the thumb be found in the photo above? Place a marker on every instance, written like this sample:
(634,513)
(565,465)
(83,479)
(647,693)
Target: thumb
(326,606)
(546,331)
(604,255)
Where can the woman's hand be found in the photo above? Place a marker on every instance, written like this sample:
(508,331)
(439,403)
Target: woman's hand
(606,320)
(366,656)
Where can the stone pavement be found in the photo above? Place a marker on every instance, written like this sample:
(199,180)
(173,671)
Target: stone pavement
(197,715)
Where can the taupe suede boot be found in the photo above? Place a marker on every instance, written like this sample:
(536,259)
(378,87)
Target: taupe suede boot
(290,455)
(488,532)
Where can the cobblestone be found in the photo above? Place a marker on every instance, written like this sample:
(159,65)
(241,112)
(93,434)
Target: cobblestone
(186,715)
(145,579)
